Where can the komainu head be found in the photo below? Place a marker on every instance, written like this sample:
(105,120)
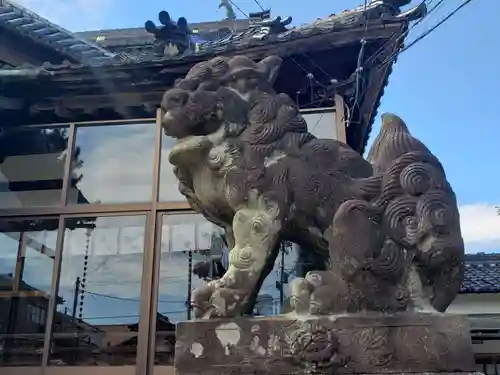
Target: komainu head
(214,92)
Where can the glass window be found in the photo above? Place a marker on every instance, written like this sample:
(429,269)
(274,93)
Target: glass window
(490,369)
(32,166)
(192,252)
(97,318)
(321,124)
(274,295)
(115,164)
(27,250)
(169,185)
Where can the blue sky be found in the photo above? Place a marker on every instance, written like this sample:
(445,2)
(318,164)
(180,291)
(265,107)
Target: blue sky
(444,87)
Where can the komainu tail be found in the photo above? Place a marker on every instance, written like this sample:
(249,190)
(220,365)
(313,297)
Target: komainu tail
(420,211)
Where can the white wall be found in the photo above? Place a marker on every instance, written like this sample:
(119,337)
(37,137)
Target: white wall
(476,304)
(321,124)
(484,313)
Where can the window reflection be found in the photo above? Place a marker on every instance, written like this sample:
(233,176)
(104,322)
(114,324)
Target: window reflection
(32,166)
(96,322)
(169,185)
(193,251)
(274,295)
(321,124)
(116,164)
(27,249)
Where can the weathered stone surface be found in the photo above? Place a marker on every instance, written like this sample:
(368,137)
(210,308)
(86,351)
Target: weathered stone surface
(384,233)
(360,344)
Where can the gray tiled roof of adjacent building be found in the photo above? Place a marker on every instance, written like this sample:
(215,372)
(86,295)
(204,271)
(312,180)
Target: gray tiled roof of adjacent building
(482,273)
(31,25)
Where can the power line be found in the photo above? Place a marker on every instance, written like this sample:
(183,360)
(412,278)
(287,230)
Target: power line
(317,122)
(238,8)
(317,66)
(424,34)
(259,5)
(129,299)
(408,30)
(393,56)
(359,65)
(397,37)
(131,316)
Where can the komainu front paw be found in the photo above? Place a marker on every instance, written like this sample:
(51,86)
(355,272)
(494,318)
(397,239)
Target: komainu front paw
(217,300)
(320,292)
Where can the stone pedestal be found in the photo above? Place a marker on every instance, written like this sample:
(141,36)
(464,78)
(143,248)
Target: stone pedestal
(350,344)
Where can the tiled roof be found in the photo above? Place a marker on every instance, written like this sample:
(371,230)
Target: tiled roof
(378,12)
(482,273)
(87,53)
(23,21)
(120,38)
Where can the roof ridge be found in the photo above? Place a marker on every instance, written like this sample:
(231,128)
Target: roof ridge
(480,257)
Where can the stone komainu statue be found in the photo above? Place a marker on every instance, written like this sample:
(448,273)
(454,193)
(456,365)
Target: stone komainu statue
(384,233)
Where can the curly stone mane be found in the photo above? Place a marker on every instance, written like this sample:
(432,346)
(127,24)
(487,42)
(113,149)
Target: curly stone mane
(272,120)
(263,128)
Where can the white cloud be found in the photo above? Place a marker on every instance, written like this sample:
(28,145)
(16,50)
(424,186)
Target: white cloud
(480,224)
(118,164)
(74,15)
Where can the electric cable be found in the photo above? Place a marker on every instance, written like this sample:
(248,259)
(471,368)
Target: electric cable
(259,5)
(396,54)
(424,34)
(238,8)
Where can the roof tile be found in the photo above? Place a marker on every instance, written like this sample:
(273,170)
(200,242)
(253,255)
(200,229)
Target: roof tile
(482,273)
(31,25)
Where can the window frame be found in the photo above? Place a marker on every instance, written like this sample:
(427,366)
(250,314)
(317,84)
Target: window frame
(154,211)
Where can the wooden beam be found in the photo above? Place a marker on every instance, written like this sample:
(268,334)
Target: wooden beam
(24,294)
(11,103)
(340,118)
(88,103)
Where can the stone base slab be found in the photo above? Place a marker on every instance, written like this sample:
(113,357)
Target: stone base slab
(348,344)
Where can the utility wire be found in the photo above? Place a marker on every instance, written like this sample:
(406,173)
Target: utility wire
(423,35)
(393,56)
(407,31)
(238,8)
(316,65)
(130,299)
(131,316)
(359,66)
(259,5)
(395,37)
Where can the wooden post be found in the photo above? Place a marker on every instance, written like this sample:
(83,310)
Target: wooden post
(340,118)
